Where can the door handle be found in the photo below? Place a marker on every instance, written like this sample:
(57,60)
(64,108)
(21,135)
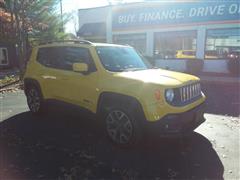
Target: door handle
(48,77)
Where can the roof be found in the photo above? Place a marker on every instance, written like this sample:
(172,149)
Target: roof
(109,45)
(77,42)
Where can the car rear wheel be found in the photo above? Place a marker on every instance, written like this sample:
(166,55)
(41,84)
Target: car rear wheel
(122,126)
(34,100)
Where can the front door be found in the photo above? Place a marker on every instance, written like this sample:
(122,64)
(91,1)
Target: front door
(78,88)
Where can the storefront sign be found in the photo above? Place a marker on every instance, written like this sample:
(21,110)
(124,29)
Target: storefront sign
(175,14)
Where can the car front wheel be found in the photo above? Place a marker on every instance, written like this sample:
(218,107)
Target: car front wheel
(122,126)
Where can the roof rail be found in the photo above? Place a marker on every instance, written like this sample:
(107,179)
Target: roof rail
(62,41)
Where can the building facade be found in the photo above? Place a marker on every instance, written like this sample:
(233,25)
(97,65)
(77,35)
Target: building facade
(171,32)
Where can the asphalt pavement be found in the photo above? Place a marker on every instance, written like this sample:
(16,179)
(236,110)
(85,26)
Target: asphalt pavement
(65,144)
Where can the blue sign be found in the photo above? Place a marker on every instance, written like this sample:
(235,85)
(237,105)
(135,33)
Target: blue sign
(175,14)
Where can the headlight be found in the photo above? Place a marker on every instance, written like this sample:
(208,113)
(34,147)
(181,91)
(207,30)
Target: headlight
(169,95)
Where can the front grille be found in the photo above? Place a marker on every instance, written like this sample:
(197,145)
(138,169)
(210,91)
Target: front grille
(189,92)
(186,94)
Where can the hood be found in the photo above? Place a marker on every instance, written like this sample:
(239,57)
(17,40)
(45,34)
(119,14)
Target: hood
(159,76)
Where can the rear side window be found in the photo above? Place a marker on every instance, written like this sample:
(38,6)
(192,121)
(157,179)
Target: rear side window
(43,56)
(64,57)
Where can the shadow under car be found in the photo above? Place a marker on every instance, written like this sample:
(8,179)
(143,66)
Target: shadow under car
(62,144)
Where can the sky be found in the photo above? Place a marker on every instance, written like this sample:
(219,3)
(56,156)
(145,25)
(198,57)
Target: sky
(73,5)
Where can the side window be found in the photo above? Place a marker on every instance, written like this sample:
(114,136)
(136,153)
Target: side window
(64,57)
(51,57)
(189,53)
(76,55)
(56,57)
(43,56)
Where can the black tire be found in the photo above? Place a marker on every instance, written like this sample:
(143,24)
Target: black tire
(35,100)
(123,126)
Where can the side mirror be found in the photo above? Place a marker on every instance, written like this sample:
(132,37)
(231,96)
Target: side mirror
(80,67)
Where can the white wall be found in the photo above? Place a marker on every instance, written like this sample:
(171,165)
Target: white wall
(93,15)
(214,66)
(96,15)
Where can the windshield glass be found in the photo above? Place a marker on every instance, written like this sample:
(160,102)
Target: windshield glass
(118,59)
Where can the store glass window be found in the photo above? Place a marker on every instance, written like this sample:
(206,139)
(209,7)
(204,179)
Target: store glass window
(175,45)
(138,41)
(223,44)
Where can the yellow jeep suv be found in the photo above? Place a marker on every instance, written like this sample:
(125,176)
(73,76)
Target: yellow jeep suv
(118,85)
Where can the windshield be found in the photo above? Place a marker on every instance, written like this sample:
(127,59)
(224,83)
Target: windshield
(118,59)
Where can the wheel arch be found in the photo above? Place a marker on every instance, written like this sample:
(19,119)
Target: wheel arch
(31,82)
(109,98)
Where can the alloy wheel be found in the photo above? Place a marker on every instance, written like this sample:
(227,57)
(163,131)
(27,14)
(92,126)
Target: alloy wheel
(119,127)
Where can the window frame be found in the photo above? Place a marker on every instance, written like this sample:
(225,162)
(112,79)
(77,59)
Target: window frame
(206,37)
(7,59)
(194,31)
(91,65)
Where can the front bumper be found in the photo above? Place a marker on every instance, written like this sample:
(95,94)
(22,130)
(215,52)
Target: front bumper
(178,124)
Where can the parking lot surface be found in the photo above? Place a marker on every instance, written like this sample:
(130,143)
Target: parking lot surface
(68,144)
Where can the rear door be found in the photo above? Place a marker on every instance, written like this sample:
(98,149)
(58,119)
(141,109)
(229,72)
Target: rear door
(61,82)
(52,75)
